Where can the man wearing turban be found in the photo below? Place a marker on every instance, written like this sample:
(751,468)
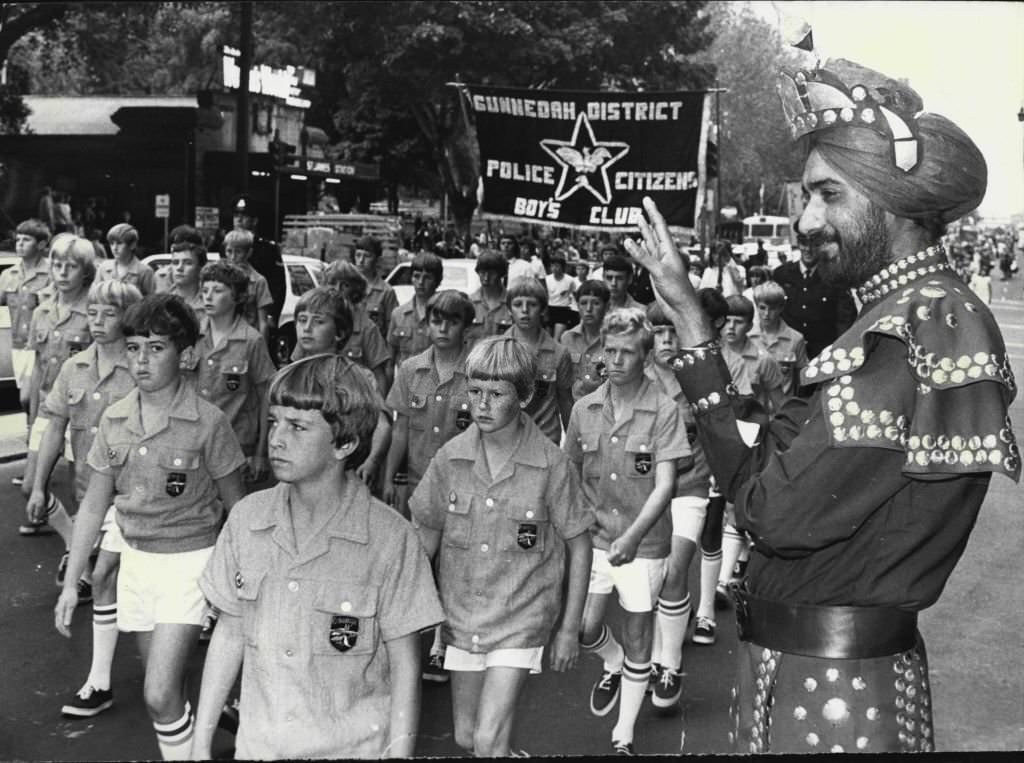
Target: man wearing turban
(860,500)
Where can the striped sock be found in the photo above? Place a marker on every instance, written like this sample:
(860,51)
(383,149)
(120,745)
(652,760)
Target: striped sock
(104,642)
(710,566)
(634,685)
(733,543)
(608,649)
(175,738)
(670,623)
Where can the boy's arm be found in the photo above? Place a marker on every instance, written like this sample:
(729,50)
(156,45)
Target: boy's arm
(49,451)
(404,656)
(258,463)
(566,646)
(263,324)
(396,454)
(623,549)
(98,497)
(223,661)
(378,448)
(33,391)
(565,375)
(231,488)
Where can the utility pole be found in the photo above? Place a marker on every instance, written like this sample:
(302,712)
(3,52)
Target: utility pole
(242,103)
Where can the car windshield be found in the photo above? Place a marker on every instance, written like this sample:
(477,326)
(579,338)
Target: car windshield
(401,277)
(456,278)
(302,281)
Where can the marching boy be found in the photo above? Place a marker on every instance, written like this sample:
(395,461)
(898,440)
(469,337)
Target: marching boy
(87,383)
(500,506)
(238,246)
(625,439)
(490,303)
(584,340)
(125,266)
(322,589)
(171,465)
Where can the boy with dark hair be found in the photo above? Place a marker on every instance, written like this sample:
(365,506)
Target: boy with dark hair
(625,439)
(408,329)
(125,266)
(617,272)
(500,506)
(365,344)
(490,302)
(786,345)
(754,371)
(551,402)
(233,364)
(584,341)
(380,298)
(181,277)
(171,465)
(561,306)
(343,599)
(87,384)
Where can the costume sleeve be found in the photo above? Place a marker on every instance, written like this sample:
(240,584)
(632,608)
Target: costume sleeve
(429,500)
(375,351)
(261,367)
(56,403)
(398,395)
(407,598)
(571,444)
(221,451)
(564,496)
(219,581)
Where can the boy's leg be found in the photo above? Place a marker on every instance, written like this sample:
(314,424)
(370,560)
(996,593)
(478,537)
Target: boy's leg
(672,615)
(597,637)
(710,566)
(467,685)
(168,648)
(496,711)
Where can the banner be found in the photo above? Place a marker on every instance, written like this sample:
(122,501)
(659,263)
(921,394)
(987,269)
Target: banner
(586,159)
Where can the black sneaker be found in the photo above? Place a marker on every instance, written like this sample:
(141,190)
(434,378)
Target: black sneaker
(35,529)
(623,748)
(62,568)
(18,481)
(668,688)
(84,592)
(433,669)
(89,701)
(704,632)
(605,693)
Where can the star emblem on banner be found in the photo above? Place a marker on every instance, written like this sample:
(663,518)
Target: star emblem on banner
(584,161)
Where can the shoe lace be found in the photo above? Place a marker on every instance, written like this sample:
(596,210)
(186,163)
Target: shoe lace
(705,622)
(665,679)
(86,691)
(606,681)
(622,747)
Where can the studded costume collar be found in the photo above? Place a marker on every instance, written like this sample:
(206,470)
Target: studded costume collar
(902,272)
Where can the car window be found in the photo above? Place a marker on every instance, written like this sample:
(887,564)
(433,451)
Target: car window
(401,277)
(302,281)
(456,278)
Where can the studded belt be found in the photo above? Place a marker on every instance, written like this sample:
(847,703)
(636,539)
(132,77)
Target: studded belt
(837,633)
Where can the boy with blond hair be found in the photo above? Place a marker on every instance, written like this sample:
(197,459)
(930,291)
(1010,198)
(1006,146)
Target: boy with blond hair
(258,302)
(125,266)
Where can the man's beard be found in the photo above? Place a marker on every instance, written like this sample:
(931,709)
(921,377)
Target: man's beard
(863,250)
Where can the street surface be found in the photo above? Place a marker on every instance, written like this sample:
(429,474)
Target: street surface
(973,638)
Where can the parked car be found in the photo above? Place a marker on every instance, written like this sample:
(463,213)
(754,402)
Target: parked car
(7,259)
(301,275)
(459,274)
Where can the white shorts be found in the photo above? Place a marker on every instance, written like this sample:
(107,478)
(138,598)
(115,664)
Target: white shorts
(459,659)
(637,583)
(160,588)
(22,363)
(688,513)
(112,539)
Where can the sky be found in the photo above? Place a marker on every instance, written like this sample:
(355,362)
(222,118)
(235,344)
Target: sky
(965,59)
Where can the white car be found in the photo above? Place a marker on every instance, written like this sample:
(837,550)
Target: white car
(7,259)
(301,274)
(459,274)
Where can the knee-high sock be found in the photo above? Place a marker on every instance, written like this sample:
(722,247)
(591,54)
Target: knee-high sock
(670,623)
(104,642)
(608,649)
(175,738)
(60,520)
(634,685)
(733,543)
(710,566)
(438,646)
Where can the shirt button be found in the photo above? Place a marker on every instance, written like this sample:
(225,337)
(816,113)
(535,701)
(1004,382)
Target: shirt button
(346,606)
(489,502)
(613,476)
(437,429)
(475,639)
(94,430)
(209,362)
(438,398)
(293,586)
(204,391)
(96,396)
(177,462)
(288,653)
(529,515)
(484,547)
(615,512)
(451,507)
(614,438)
(56,333)
(143,450)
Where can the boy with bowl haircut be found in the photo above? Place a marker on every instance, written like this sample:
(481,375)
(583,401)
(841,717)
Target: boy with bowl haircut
(625,439)
(754,371)
(490,301)
(551,402)
(172,466)
(258,303)
(786,345)
(365,344)
(125,266)
(322,589)
(380,298)
(87,384)
(233,365)
(21,288)
(181,277)
(500,506)
(688,509)
(408,329)
(584,340)
(323,323)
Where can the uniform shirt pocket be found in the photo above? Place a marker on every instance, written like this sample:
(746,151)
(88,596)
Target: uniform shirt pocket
(458,523)
(178,472)
(355,354)
(638,456)
(526,528)
(234,373)
(344,621)
(590,444)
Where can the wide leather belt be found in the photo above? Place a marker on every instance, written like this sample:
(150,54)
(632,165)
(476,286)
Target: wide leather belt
(838,633)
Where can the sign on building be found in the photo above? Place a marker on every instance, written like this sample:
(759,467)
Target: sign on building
(163,205)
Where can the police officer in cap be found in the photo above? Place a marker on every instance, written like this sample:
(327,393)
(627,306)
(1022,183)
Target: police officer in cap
(266,254)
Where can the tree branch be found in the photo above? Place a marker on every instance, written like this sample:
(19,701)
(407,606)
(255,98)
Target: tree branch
(37,16)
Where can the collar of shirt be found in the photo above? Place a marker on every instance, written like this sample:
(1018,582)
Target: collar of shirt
(528,452)
(805,271)
(546,343)
(42,268)
(576,337)
(89,358)
(426,361)
(80,306)
(237,333)
(113,266)
(666,379)
(349,520)
(642,401)
(128,410)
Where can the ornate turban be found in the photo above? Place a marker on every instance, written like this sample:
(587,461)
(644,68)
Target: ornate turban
(872,130)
